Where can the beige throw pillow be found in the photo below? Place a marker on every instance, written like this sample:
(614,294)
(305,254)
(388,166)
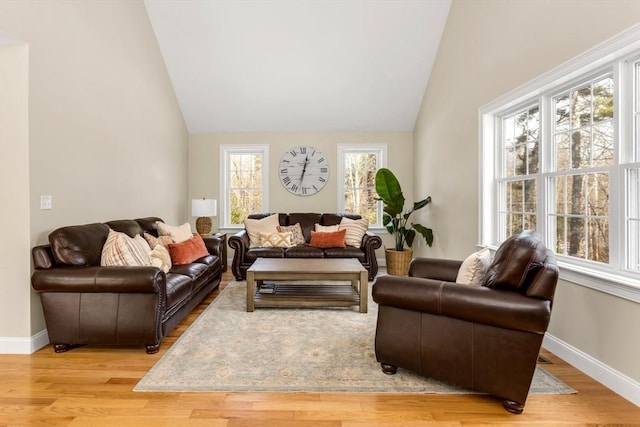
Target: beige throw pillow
(355,230)
(254,227)
(122,250)
(474,267)
(276,240)
(160,258)
(297,238)
(178,233)
(327,228)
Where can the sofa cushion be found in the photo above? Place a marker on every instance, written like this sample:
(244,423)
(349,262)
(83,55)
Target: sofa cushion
(297,238)
(179,233)
(347,252)
(179,288)
(128,226)
(256,226)
(254,253)
(474,267)
(122,250)
(193,270)
(356,228)
(304,252)
(188,251)
(328,240)
(79,245)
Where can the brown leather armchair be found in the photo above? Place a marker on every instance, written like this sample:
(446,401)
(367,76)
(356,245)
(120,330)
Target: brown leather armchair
(482,337)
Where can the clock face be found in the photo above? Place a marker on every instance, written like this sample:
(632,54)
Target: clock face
(303,170)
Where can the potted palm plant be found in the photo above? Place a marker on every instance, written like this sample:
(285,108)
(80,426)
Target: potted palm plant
(396,221)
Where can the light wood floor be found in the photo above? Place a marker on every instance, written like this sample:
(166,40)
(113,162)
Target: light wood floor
(92,386)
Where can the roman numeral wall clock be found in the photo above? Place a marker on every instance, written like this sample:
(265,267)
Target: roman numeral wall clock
(303,170)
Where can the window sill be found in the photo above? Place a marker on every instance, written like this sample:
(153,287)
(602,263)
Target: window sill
(604,281)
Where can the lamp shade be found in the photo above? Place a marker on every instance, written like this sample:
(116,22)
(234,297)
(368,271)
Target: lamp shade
(204,207)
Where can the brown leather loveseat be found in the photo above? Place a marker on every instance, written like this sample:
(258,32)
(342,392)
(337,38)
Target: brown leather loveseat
(244,255)
(484,337)
(85,303)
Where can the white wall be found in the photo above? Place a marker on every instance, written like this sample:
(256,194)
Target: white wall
(106,135)
(14,190)
(490,47)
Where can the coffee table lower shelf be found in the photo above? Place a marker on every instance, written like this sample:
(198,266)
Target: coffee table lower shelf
(305,295)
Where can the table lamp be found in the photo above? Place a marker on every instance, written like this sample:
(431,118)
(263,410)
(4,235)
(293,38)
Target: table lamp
(204,209)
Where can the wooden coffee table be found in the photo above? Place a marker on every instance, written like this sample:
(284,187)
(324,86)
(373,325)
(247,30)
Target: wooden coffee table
(308,294)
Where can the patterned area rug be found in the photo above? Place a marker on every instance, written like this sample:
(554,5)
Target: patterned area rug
(313,350)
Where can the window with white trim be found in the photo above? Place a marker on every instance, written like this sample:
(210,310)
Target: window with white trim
(560,156)
(357,167)
(245,182)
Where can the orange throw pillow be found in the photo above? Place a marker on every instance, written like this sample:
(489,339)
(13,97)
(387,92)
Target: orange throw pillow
(334,239)
(188,251)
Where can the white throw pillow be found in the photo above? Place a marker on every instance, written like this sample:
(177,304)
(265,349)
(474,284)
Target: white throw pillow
(276,240)
(327,228)
(355,230)
(122,250)
(179,233)
(254,227)
(474,267)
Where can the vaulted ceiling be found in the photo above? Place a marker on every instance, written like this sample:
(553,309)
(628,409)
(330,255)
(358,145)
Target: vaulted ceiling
(297,65)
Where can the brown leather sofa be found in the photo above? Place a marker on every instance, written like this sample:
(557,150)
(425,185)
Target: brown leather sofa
(484,337)
(244,256)
(85,303)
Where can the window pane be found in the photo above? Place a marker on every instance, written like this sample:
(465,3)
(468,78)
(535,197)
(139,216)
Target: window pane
(580,149)
(561,235)
(633,258)
(532,157)
(529,222)
(575,237)
(575,192)
(561,195)
(533,123)
(530,196)
(562,151)
(510,161)
(598,240)
(603,99)
(563,112)
(360,169)
(603,144)
(598,194)
(581,107)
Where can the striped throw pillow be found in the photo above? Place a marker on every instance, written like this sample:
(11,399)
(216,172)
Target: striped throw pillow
(122,250)
(355,230)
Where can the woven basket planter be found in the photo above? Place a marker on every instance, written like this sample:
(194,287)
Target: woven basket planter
(398,261)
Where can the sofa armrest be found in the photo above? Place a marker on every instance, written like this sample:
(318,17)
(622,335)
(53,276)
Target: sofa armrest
(435,268)
(239,242)
(100,279)
(214,245)
(477,304)
(371,242)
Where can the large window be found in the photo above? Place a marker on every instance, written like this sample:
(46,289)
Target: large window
(244,182)
(357,167)
(560,156)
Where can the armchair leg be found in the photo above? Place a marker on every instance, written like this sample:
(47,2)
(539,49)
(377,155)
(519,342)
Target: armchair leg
(513,407)
(153,348)
(388,369)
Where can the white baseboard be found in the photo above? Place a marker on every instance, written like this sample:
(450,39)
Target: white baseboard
(609,377)
(24,345)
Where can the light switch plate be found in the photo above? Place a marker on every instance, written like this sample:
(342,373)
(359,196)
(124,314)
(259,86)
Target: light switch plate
(46,202)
